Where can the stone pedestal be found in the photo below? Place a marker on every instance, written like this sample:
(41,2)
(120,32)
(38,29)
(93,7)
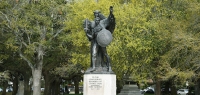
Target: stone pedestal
(99,84)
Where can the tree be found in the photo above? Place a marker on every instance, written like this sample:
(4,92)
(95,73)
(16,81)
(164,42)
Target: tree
(180,53)
(56,57)
(71,72)
(35,25)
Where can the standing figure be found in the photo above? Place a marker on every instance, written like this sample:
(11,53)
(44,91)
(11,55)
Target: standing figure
(99,32)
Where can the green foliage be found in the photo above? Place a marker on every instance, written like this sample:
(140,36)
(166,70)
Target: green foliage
(4,76)
(37,34)
(132,43)
(182,48)
(151,39)
(33,25)
(69,71)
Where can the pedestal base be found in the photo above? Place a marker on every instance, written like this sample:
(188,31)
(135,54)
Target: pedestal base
(99,84)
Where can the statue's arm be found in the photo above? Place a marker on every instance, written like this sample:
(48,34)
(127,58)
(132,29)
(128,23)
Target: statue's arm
(89,35)
(87,29)
(109,22)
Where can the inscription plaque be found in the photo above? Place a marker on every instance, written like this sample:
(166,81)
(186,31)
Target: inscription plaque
(95,83)
(99,84)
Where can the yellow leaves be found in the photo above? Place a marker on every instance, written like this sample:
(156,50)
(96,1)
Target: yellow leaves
(183,76)
(2,57)
(83,59)
(10,44)
(132,41)
(84,16)
(135,43)
(30,49)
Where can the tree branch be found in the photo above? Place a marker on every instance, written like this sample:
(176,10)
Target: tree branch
(29,63)
(56,34)
(23,57)
(28,37)
(24,44)
(43,34)
(6,19)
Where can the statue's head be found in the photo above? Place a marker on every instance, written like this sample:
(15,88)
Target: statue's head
(97,20)
(96,13)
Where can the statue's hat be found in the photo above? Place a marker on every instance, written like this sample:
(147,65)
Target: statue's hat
(96,11)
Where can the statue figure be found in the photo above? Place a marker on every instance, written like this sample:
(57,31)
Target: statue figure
(99,32)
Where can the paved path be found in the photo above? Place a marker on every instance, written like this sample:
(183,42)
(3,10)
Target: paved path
(130,90)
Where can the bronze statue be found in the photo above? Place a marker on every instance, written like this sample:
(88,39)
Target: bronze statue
(99,32)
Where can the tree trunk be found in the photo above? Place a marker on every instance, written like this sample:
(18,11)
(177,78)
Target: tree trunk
(76,83)
(27,87)
(37,81)
(37,70)
(173,88)
(48,81)
(119,85)
(5,85)
(21,88)
(158,87)
(47,90)
(57,87)
(190,90)
(52,88)
(15,84)
(167,86)
(197,87)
